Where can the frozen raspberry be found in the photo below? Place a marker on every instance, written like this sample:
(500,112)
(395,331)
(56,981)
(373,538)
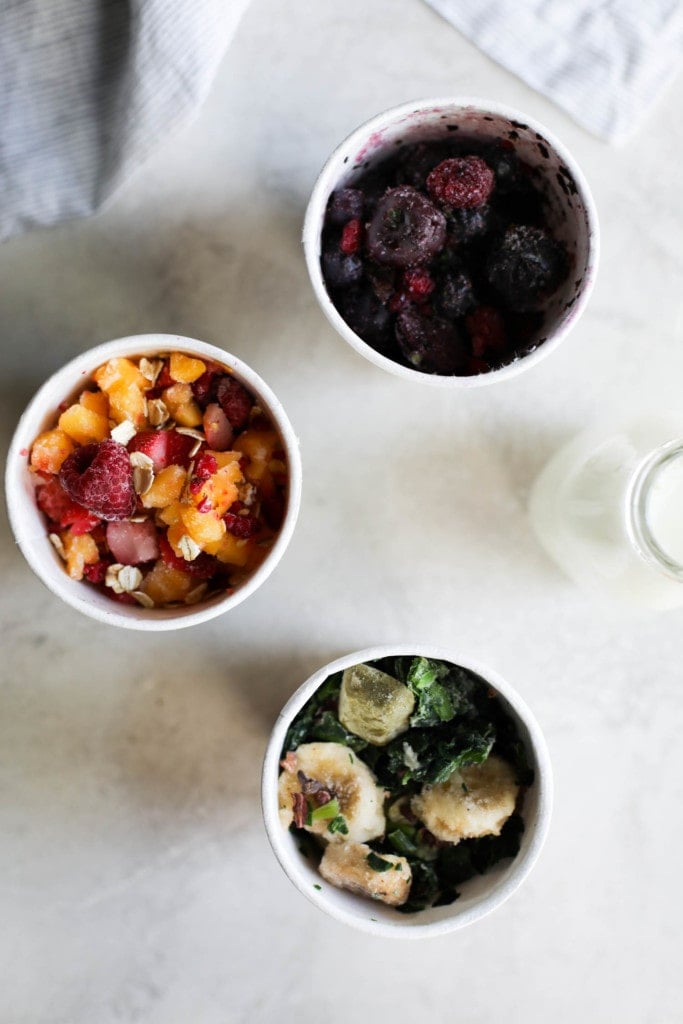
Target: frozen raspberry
(100,477)
(464,182)
(525,266)
(234,400)
(241,526)
(205,466)
(203,566)
(429,343)
(204,387)
(486,330)
(351,237)
(406,229)
(97,571)
(345,204)
(419,284)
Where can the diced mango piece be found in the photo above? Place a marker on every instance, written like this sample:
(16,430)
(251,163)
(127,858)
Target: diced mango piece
(83,425)
(127,402)
(225,458)
(119,371)
(80,551)
(167,487)
(97,401)
(184,368)
(221,488)
(49,451)
(171,514)
(164,584)
(234,550)
(203,527)
(259,446)
(180,403)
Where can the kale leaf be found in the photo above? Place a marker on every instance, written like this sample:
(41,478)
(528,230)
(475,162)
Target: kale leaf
(432,755)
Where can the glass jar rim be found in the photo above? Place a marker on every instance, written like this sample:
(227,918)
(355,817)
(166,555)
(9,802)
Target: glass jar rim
(639,490)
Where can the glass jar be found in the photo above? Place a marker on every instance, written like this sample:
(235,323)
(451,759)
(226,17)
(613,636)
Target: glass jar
(608,507)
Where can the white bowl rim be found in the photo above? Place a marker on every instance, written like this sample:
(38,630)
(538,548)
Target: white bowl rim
(59,386)
(315,212)
(520,866)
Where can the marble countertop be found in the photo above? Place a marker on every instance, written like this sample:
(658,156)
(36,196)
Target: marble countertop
(136,882)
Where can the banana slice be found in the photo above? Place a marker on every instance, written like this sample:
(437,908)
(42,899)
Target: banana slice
(350,866)
(472,802)
(336,770)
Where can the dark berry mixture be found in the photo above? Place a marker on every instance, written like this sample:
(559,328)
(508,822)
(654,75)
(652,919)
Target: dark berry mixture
(441,257)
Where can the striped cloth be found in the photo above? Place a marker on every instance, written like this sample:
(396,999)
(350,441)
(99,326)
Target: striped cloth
(88,88)
(604,61)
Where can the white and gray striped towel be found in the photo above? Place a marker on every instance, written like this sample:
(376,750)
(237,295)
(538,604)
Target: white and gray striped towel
(604,61)
(88,88)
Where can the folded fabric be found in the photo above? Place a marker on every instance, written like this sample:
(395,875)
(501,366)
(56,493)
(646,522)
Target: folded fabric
(604,61)
(88,88)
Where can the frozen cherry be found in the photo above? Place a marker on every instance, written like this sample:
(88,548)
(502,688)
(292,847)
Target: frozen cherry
(525,266)
(406,229)
(430,343)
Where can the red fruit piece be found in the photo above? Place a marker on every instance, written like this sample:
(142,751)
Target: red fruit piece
(205,466)
(203,566)
(217,428)
(419,284)
(100,477)
(234,400)
(461,181)
(351,237)
(241,526)
(61,509)
(163,447)
(486,329)
(133,543)
(96,572)
(203,388)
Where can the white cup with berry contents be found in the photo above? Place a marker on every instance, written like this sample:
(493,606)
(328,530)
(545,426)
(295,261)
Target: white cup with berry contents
(153,482)
(452,241)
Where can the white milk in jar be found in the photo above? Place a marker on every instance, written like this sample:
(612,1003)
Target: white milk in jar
(608,507)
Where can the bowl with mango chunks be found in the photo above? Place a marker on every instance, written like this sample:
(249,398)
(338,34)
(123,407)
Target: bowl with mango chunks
(407,790)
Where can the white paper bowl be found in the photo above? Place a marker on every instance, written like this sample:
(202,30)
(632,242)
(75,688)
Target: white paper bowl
(28,523)
(480,895)
(570,208)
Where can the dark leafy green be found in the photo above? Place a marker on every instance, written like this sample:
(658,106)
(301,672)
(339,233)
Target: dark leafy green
(458,720)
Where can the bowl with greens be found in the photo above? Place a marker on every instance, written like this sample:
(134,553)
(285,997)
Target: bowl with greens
(406,790)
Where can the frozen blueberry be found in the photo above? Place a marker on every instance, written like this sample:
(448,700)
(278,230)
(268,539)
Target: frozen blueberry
(366,315)
(415,162)
(430,343)
(406,229)
(455,296)
(345,204)
(525,266)
(466,225)
(340,270)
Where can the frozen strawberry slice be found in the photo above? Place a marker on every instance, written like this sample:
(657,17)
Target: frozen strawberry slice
(61,509)
(163,447)
(217,428)
(203,566)
(133,543)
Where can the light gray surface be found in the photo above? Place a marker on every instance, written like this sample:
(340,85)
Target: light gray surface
(136,880)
